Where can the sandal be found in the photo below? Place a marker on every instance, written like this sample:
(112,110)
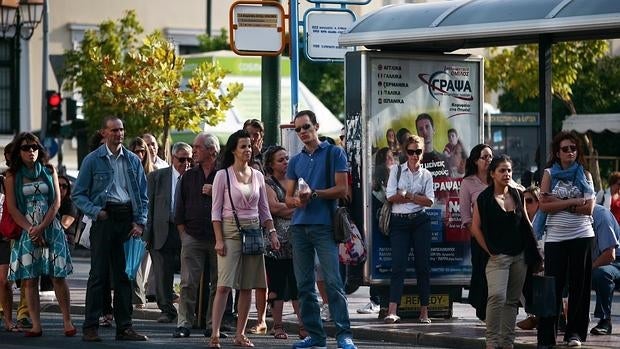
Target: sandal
(278,332)
(214,342)
(12,328)
(256,329)
(243,341)
(302,332)
(105,321)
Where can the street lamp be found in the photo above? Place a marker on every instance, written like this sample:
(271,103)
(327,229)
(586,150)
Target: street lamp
(20,17)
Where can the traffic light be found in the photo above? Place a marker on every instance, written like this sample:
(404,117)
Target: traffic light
(71,113)
(54,112)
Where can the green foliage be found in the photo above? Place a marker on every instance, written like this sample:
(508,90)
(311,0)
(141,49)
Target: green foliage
(516,70)
(597,90)
(325,80)
(141,81)
(207,43)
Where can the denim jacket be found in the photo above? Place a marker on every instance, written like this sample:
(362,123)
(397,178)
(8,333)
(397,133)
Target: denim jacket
(90,192)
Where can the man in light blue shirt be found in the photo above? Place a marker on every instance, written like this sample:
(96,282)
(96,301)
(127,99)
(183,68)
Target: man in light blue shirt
(605,266)
(324,169)
(111,190)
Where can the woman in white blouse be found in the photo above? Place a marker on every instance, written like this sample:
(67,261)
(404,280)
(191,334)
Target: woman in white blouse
(410,190)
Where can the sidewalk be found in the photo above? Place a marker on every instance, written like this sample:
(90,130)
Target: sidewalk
(464,330)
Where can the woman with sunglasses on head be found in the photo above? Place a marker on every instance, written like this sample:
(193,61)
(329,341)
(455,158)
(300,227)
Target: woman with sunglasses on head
(502,228)
(68,212)
(279,263)
(567,197)
(474,182)
(410,226)
(33,199)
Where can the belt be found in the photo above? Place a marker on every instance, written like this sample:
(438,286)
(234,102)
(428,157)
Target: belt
(117,207)
(408,215)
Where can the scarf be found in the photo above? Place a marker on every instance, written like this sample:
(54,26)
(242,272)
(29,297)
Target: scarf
(38,172)
(574,173)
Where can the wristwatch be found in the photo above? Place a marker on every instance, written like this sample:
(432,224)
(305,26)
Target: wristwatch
(314,195)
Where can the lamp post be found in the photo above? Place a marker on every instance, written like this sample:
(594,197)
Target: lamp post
(18,20)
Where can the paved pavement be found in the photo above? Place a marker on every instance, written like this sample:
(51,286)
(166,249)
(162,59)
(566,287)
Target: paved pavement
(463,330)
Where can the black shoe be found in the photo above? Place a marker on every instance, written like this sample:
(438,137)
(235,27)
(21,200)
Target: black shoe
(602,328)
(208,332)
(151,298)
(129,334)
(90,335)
(180,332)
(166,318)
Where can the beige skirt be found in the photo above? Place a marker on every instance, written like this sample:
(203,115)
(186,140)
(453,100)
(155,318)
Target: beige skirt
(236,270)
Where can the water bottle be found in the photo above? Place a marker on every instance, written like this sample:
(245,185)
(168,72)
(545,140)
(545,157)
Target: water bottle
(302,186)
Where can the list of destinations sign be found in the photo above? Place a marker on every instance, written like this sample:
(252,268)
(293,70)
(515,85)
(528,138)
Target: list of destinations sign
(257,28)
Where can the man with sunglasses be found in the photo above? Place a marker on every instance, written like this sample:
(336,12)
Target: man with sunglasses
(111,190)
(312,231)
(161,233)
(192,218)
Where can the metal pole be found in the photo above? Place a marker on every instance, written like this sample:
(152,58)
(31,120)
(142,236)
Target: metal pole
(294,47)
(44,70)
(208,17)
(545,99)
(270,98)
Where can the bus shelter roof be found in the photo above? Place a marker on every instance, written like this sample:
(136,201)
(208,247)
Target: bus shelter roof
(450,25)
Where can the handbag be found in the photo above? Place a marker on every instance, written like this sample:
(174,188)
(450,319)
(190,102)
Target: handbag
(543,302)
(8,228)
(343,226)
(385,212)
(353,251)
(252,242)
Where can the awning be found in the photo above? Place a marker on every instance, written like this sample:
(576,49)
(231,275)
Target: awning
(583,123)
(451,25)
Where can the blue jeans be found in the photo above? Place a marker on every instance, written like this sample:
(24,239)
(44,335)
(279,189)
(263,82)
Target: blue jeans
(306,239)
(404,234)
(604,280)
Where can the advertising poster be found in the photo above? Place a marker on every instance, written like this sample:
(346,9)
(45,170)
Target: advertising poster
(439,99)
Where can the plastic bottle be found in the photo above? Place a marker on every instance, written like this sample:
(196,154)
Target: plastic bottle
(302,186)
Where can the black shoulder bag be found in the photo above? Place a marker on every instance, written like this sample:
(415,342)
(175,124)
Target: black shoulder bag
(342,224)
(252,242)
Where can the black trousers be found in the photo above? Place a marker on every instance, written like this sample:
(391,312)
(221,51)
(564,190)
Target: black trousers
(164,265)
(107,256)
(572,259)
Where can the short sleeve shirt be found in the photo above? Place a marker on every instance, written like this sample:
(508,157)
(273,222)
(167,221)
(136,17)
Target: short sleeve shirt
(312,167)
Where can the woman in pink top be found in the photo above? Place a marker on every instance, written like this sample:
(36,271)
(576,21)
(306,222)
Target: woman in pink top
(475,181)
(235,270)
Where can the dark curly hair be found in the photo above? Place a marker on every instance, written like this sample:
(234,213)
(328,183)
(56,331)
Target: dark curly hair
(555,148)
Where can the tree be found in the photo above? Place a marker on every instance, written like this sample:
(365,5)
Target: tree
(143,82)
(516,70)
(207,43)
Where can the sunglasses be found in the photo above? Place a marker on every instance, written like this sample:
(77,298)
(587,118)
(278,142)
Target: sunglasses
(529,200)
(412,152)
(63,186)
(486,157)
(29,147)
(184,159)
(569,149)
(305,127)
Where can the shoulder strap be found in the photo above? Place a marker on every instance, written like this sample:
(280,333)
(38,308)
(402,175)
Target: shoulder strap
(398,174)
(231,201)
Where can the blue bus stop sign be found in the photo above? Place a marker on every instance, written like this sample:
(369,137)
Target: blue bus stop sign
(51,146)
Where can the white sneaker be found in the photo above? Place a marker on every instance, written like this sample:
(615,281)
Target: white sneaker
(370,308)
(391,319)
(325,315)
(574,342)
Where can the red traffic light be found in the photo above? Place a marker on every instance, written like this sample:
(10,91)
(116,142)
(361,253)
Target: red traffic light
(54,99)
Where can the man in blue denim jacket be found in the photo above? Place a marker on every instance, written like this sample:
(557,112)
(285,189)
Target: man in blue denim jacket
(111,190)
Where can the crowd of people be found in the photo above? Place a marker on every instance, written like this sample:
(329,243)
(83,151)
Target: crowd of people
(195,215)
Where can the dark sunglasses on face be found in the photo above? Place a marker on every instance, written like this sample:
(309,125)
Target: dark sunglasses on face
(29,147)
(412,152)
(529,200)
(63,186)
(305,127)
(184,159)
(569,149)
(486,157)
